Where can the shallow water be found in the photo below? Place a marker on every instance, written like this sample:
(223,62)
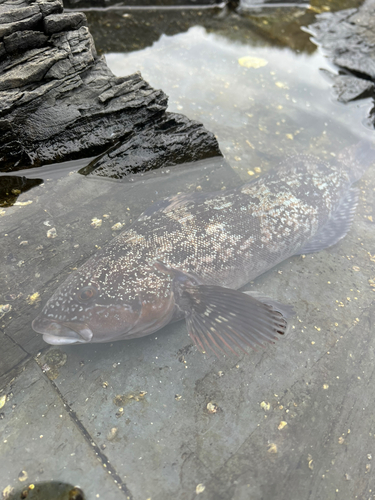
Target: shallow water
(294,421)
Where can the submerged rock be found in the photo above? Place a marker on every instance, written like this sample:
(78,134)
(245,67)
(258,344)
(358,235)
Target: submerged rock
(59,100)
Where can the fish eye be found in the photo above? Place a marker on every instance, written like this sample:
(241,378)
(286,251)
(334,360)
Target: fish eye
(86,293)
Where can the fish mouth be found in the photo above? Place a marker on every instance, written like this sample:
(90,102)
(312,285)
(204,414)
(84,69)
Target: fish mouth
(57,333)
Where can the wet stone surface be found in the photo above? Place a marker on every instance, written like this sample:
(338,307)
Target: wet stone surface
(48,444)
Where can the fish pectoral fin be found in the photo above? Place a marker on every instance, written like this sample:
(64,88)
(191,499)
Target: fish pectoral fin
(285,310)
(337,226)
(224,319)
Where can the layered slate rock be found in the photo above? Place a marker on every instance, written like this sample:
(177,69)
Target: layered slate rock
(59,100)
(348,38)
(348,88)
(174,139)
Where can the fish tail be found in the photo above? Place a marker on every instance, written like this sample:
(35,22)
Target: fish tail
(357,159)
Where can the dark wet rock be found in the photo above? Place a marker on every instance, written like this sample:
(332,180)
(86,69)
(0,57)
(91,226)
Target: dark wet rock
(79,115)
(24,40)
(64,22)
(348,88)
(2,50)
(59,100)
(174,139)
(348,38)
(32,20)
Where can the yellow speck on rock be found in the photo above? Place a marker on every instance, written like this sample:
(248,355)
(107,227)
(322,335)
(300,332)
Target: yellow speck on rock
(7,492)
(252,62)
(282,424)
(199,488)
(23,203)
(265,406)
(96,222)
(272,448)
(22,476)
(33,298)
(250,172)
(212,407)
(3,400)
(4,309)
(325,386)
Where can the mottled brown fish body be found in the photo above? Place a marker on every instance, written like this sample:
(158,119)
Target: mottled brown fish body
(155,271)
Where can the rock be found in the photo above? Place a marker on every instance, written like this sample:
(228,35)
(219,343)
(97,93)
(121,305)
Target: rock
(2,51)
(348,38)
(347,88)
(59,100)
(29,22)
(48,7)
(172,140)
(55,23)
(24,40)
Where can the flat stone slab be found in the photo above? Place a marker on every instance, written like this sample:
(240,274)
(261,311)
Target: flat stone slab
(41,442)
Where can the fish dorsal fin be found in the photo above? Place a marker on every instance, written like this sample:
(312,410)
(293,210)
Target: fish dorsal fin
(337,226)
(223,319)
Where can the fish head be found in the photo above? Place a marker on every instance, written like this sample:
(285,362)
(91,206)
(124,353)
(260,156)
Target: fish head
(85,308)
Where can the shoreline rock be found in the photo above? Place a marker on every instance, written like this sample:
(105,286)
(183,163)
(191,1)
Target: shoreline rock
(59,101)
(348,38)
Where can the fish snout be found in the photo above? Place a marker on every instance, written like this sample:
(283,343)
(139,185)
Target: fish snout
(55,332)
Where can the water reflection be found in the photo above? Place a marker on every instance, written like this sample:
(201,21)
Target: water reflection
(12,186)
(259,114)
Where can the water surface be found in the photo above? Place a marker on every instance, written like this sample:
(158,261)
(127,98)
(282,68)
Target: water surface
(294,421)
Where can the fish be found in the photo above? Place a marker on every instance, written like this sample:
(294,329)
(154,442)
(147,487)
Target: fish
(187,256)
